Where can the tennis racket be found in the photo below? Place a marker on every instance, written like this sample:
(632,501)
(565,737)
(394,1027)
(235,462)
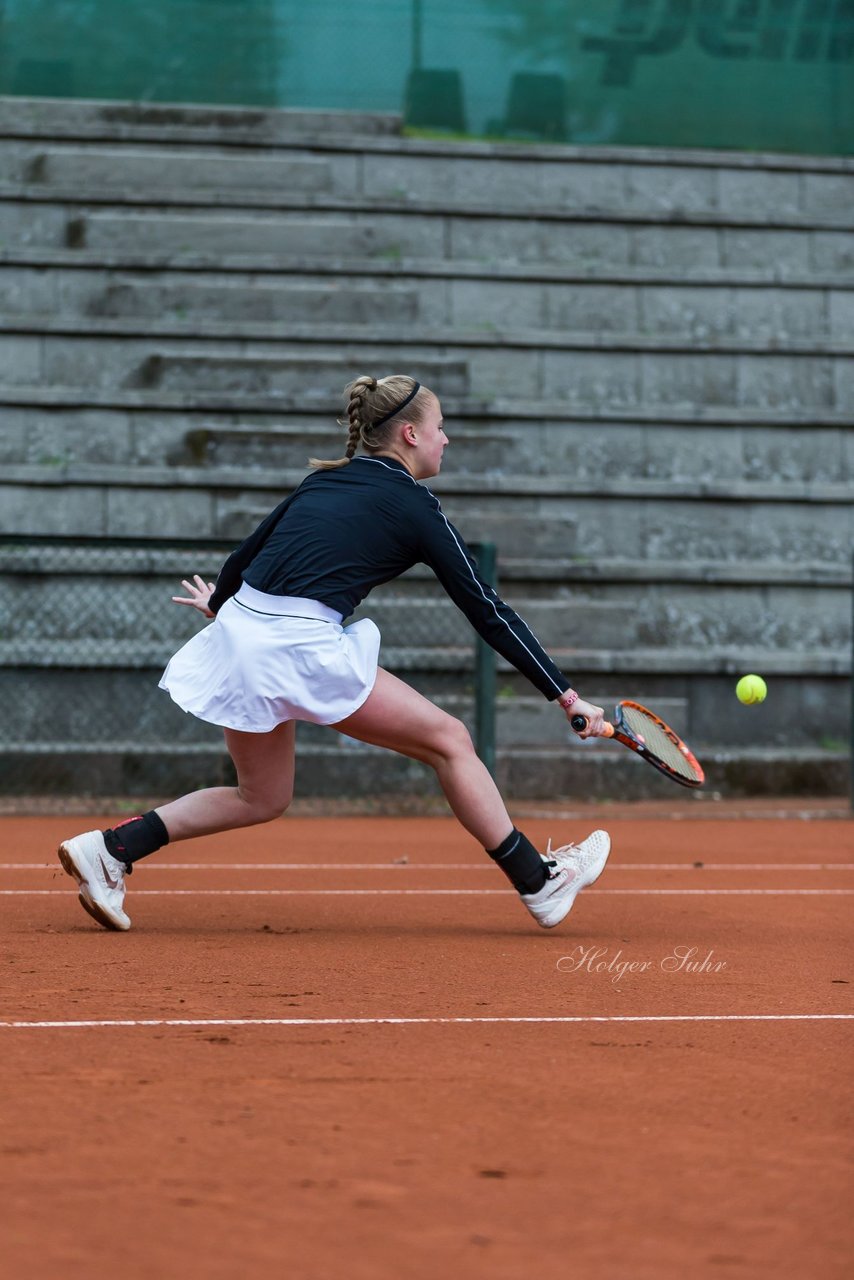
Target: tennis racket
(646,733)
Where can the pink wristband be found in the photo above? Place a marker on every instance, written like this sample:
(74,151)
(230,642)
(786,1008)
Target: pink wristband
(568,699)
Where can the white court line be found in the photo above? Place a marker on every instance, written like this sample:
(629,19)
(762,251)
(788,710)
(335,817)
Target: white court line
(373,1022)
(698,865)
(373,893)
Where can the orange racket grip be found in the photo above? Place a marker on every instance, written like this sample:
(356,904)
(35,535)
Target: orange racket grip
(579,724)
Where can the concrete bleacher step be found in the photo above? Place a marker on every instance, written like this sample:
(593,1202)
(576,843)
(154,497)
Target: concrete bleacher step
(777,378)
(438,235)
(123,593)
(694,524)
(471,481)
(89,713)
(378,331)
(618,451)
(332,235)
(557,184)
(696,695)
(718,660)
(312,374)
(150,436)
(115,560)
(126,295)
(746,313)
(261,266)
(147,169)
(394,236)
(180,123)
(553,775)
(773,619)
(619,183)
(183,124)
(504,211)
(307,370)
(496,411)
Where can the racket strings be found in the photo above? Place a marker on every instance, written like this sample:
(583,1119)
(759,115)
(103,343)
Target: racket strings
(656,738)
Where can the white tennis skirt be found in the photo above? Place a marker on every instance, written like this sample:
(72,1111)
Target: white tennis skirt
(266,659)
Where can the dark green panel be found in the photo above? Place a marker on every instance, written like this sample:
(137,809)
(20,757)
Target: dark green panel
(160,50)
(748,74)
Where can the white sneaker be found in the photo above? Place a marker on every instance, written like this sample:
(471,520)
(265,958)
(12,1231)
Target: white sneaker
(100,876)
(572,868)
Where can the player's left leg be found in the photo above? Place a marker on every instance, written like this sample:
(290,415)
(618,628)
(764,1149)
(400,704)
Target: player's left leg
(265,786)
(99,860)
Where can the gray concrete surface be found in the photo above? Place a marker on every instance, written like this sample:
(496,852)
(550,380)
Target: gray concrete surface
(646,366)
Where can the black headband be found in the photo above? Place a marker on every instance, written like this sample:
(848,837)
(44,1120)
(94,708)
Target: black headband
(413,393)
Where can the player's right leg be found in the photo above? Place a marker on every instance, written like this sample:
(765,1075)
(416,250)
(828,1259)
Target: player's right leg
(100,860)
(398,717)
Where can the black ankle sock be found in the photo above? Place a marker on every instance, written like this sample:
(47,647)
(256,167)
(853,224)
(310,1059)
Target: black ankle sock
(520,862)
(135,838)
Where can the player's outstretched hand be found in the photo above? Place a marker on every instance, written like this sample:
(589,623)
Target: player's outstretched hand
(199,594)
(595,717)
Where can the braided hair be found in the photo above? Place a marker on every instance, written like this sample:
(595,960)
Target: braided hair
(372,412)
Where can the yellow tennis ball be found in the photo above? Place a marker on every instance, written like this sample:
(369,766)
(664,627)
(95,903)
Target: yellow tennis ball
(750,690)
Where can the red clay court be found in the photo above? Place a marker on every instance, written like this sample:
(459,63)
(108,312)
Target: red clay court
(339,1048)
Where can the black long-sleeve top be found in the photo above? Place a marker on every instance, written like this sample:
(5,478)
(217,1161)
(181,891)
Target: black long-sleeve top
(345,531)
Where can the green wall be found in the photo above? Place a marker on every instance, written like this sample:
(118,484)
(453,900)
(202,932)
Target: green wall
(753,74)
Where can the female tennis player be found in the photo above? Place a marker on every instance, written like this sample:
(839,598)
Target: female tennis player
(278,652)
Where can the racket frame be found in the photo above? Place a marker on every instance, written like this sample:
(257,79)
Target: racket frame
(620,730)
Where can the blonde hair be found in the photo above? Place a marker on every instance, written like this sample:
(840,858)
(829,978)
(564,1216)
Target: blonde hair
(370,402)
